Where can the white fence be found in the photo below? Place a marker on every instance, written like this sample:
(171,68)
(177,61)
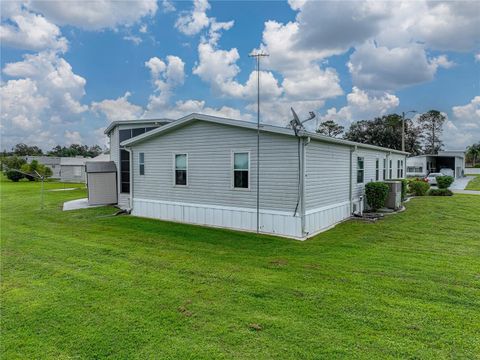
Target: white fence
(472,171)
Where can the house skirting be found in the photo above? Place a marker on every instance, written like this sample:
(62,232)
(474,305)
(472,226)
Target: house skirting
(273,222)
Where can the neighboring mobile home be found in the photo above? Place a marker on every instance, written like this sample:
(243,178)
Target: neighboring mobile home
(422,165)
(52,162)
(202,169)
(72,169)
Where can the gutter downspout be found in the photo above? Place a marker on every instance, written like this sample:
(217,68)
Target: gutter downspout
(130,199)
(352,150)
(305,142)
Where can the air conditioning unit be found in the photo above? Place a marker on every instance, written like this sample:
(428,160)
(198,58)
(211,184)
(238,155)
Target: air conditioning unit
(394,198)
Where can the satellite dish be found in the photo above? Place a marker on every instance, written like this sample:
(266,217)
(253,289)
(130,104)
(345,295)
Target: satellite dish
(296,124)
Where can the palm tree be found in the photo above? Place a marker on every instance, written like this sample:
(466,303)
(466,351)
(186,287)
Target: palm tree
(473,152)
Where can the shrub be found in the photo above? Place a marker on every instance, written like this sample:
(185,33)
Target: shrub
(14,175)
(376,193)
(440,192)
(419,188)
(12,162)
(444,182)
(404,187)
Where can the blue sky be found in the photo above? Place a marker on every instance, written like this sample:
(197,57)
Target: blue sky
(69,68)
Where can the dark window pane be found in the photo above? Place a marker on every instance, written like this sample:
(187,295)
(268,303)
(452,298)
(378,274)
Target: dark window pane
(125,187)
(240,179)
(125,134)
(124,155)
(360,176)
(150,128)
(180,177)
(125,171)
(142,169)
(136,132)
(125,176)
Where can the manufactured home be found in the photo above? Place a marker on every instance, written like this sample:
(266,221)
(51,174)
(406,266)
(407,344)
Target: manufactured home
(422,165)
(52,162)
(203,170)
(72,169)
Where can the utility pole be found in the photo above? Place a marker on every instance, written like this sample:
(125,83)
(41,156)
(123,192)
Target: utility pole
(257,57)
(403,127)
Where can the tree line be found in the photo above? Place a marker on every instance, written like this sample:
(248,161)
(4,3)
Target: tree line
(422,136)
(61,151)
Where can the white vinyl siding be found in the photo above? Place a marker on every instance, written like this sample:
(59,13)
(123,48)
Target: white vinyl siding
(327,174)
(209,147)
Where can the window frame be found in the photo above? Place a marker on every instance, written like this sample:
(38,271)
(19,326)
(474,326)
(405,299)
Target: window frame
(377,169)
(175,170)
(232,170)
(141,163)
(390,168)
(398,169)
(384,168)
(362,169)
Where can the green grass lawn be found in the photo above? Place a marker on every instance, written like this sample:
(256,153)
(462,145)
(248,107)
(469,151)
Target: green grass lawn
(474,184)
(85,284)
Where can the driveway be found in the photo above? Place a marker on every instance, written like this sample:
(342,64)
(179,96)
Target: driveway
(461,183)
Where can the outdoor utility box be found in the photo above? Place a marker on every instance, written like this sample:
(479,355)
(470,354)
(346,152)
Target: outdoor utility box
(394,198)
(101,182)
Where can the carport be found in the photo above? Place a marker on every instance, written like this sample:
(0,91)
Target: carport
(101,182)
(423,165)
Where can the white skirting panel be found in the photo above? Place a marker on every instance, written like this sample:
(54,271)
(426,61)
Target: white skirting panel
(323,218)
(271,222)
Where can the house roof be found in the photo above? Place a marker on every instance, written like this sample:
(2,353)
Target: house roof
(247,125)
(136,122)
(100,166)
(73,161)
(101,157)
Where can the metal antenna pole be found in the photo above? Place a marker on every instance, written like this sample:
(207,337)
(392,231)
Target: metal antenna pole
(257,57)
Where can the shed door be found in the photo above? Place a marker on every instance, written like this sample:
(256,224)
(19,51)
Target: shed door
(102,188)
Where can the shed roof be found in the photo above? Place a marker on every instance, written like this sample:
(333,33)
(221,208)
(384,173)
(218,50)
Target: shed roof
(136,122)
(100,166)
(248,125)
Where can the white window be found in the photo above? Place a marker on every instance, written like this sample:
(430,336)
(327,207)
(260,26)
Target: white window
(77,171)
(241,167)
(399,168)
(415,169)
(402,169)
(181,167)
(384,169)
(390,169)
(141,163)
(377,169)
(360,170)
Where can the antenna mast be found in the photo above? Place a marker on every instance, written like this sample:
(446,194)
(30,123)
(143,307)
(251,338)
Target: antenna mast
(257,57)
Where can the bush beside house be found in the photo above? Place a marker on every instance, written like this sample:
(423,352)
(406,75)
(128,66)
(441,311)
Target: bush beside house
(444,182)
(376,193)
(418,187)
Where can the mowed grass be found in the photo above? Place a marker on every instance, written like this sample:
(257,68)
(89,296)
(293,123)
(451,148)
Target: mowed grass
(474,184)
(85,284)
